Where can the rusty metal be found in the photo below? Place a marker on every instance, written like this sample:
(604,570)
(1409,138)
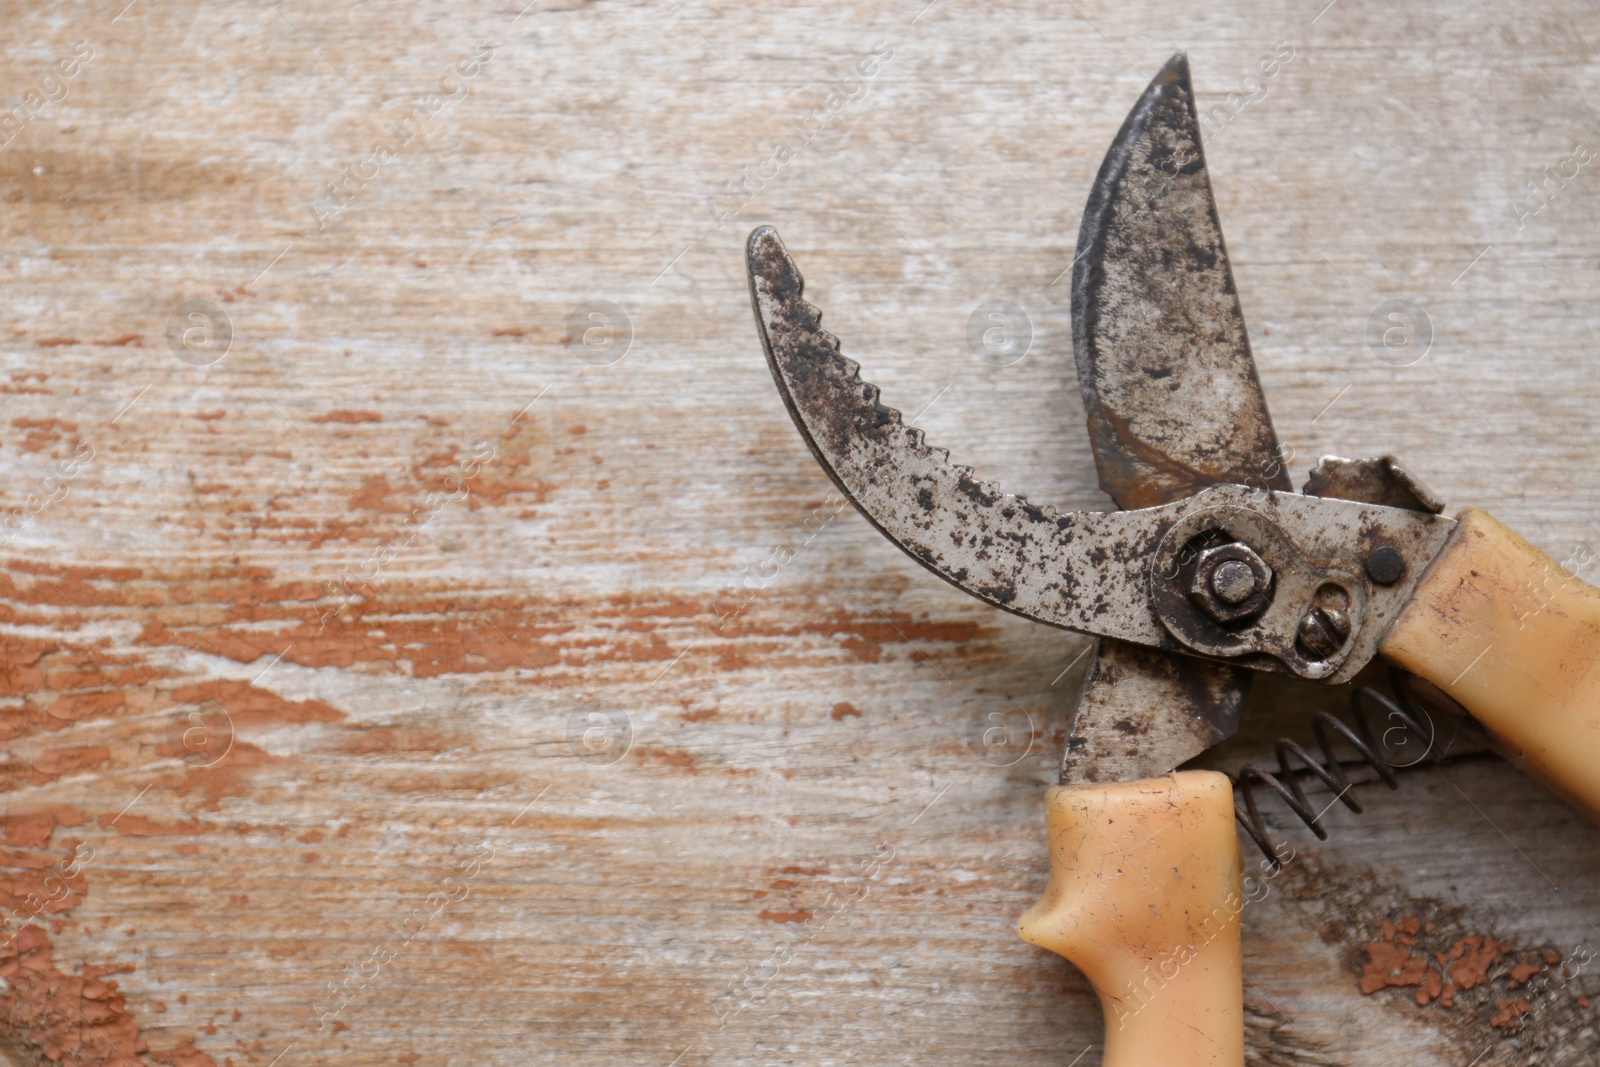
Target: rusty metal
(1315,552)
(1372,481)
(1324,630)
(1173,399)
(1217,569)
(1142,712)
(1084,571)
(1231,583)
(1385,565)
(1113,574)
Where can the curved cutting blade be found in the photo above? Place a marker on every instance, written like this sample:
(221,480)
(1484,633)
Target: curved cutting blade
(1170,389)
(1173,405)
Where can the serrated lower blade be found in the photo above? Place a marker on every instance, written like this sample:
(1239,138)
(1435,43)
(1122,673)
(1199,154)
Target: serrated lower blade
(1081,570)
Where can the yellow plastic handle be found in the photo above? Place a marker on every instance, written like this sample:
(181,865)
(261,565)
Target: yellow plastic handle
(1144,898)
(1515,637)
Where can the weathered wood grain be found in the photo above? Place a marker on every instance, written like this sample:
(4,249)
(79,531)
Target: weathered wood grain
(271,779)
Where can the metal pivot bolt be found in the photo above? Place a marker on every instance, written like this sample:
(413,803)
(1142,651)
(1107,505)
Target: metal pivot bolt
(1231,583)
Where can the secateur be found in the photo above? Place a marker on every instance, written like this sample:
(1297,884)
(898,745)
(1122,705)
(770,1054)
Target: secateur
(1213,569)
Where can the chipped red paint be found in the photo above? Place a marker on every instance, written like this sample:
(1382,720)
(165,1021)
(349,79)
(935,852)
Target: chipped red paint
(50,685)
(799,915)
(93,690)
(78,1018)
(40,434)
(74,1018)
(79,679)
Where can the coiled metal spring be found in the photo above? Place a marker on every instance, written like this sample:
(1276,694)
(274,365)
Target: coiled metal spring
(1405,716)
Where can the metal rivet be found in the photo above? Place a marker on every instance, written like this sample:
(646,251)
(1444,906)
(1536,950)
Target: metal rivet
(1385,565)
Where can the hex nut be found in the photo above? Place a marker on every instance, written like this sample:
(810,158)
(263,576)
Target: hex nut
(1231,583)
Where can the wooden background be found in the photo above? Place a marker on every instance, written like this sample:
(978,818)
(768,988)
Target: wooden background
(518,796)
